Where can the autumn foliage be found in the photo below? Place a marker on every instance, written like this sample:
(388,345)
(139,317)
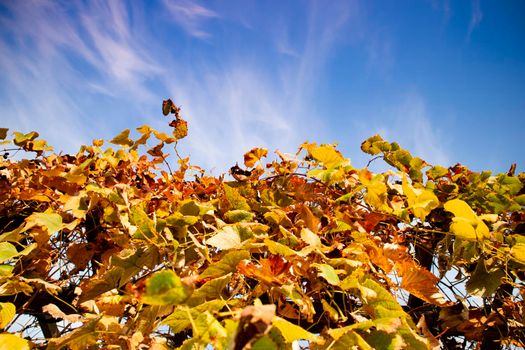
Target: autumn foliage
(122,246)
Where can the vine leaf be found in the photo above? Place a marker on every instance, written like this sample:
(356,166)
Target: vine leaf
(165,288)
(466,224)
(254,155)
(13,342)
(7,312)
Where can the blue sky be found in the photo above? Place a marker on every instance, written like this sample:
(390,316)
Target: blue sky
(446,79)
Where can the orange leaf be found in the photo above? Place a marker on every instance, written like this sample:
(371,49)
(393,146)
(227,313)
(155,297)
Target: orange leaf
(420,282)
(251,157)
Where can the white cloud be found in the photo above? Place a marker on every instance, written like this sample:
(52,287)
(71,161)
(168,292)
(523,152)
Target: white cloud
(475,18)
(88,55)
(56,58)
(408,123)
(190,16)
(244,102)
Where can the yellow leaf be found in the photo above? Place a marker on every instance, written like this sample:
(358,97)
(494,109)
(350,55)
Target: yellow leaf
(326,154)
(13,342)
(7,312)
(51,221)
(122,139)
(421,200)
(518,252)
(310,238)
(292,332)
(461,209)
(466,224)
(463,229)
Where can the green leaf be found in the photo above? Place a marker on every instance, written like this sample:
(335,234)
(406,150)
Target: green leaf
(436,172)
(380,303)
(179,320)
(328,273)
(166,288)
(233,216)
(520,199)
(7,312)
(79,339)
(7,251)
(122,139)
(264,343)
(178,220)
(145,225)
(13,342)
(351,340)
(278,248)
(6,270)
(208,329)
(235,199)
(482,282)
(228,263)
(210,290)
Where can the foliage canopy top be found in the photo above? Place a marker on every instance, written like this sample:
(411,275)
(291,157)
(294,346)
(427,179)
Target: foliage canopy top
(110,248)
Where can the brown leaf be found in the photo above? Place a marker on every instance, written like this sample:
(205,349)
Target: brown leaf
(254,322)
(54,311)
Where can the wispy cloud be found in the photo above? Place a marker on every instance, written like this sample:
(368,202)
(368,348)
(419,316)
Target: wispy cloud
(410,124)
(86,56)
(190,16)
(475,18)
(57,57)
(243,103)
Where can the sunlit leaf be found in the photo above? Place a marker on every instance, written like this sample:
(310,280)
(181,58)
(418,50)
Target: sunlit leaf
(7,312)
(122,139)
(7,251)
(21,139)
(351,340)
(181,129)
(518,252)
(251,157)
(51,221)
(326,155)
(328,273)
(165,288)
(228,263)
(226,238)
(421,200)
(180,319)
(13,342)
(292,332)
(461,209)
(238,216)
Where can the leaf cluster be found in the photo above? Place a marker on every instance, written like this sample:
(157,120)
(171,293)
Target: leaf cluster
(110,248)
